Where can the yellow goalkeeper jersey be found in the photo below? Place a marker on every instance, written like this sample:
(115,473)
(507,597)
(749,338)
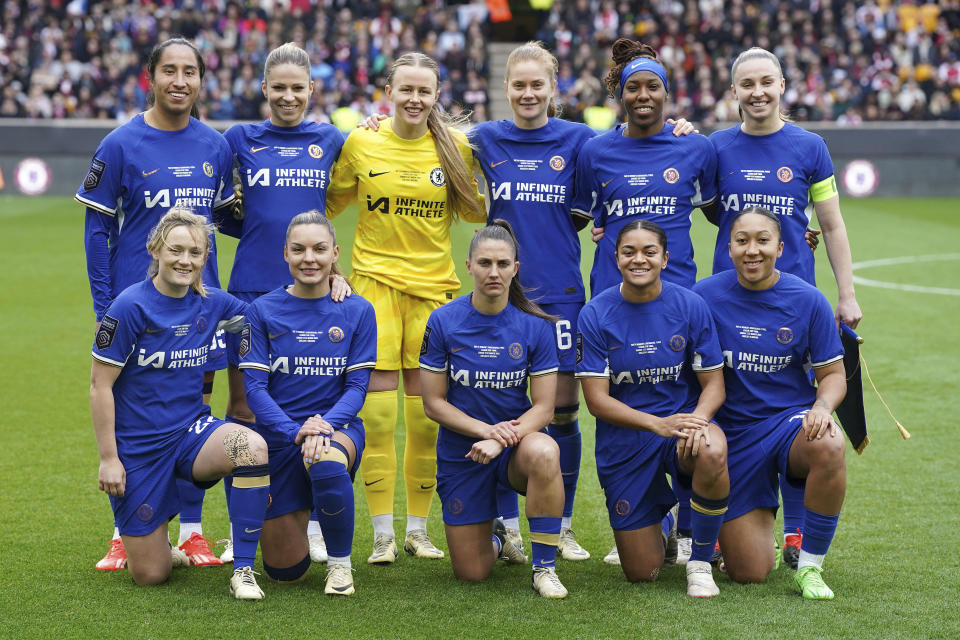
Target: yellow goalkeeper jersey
(403,228)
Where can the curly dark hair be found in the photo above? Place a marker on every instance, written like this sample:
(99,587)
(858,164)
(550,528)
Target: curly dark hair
(623,51)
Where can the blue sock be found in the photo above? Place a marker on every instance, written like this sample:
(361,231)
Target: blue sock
(705,520)
(666,525)
(333,505)
(568,439)
(683,508)
(248,503)
(818,531)
(544,537)
(793,510)
(191,501)
(507,503)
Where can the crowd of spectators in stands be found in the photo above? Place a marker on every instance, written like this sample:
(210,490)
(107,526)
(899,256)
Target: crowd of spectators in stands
(844,61)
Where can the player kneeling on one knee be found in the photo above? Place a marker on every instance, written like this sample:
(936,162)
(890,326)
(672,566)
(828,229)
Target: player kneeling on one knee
(308,415)
(145,410)
(774,419)
(479,353)
(651,370)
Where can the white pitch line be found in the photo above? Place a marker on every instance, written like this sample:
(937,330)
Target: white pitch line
(883,262)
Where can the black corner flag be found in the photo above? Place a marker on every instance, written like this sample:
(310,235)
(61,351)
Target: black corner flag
(850,412)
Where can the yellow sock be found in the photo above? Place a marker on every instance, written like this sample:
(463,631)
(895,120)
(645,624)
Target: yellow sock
(419,457)
(378,467)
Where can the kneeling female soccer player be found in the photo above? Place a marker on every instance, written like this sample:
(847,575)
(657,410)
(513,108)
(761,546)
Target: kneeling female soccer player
(306,363)
(773,328)
(150,422)
(651,370)
(478,354)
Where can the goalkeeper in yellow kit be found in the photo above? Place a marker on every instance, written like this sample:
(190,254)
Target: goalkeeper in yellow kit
(410,179)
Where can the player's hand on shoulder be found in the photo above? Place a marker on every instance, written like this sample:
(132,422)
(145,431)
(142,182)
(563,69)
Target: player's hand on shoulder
(483,451)
(112,477)
(681,127)
(372,122)
(339,288)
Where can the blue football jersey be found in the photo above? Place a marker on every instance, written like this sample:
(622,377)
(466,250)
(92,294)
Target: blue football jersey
(651,351)
(163,345)
(774,171)
(770,340)
(530,177)
(488,360)
(308,346)
(138,173)
(284,171)
(661,178)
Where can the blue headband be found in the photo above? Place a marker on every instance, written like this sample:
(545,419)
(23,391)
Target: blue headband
(644,64)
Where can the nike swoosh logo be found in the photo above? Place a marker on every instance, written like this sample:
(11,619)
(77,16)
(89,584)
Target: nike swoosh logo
(149,330)
(327,513)
(614,348)
(703,544)
(429,486)
(149,173)
(273,336)
(245,530)
(496,164)
(374,175)
(604,184)
(367,484)
(342,589)
(455,349)
(256,149)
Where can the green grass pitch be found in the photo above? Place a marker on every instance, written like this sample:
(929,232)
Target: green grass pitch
(893,564)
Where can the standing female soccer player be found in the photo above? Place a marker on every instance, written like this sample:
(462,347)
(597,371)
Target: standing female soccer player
(773,328)
(151,425)
(284,165)
(642,170)
(529,164)
(772,163)
(478,353)
(651,370)
(411,179)
(306,362)
(160,159)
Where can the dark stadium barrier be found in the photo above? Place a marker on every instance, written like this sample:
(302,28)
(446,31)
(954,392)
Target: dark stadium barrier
(881,158)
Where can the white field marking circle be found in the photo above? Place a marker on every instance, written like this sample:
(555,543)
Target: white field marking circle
(883,262)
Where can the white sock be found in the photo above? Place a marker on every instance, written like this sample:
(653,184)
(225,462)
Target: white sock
(512,523)
(416,522)
(187,529)
(565,522)
(808,559)
(116,533)
(383,524)
(332,561)
(313,528)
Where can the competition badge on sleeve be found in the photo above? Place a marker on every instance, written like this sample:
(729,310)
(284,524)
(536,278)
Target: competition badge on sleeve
(106,332)
(94,175)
